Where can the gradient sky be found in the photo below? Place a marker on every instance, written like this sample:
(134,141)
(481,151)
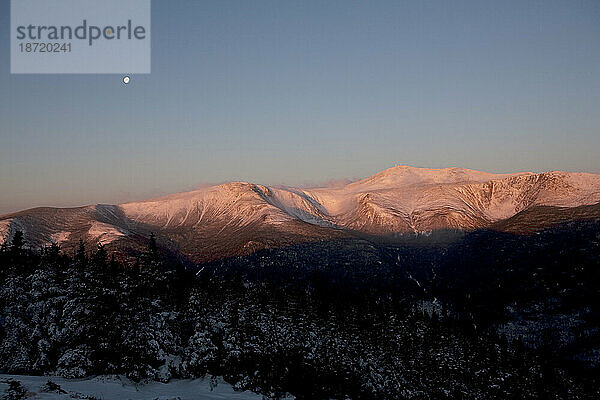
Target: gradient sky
(301,92)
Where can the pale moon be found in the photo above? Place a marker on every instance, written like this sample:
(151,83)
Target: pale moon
(126,80)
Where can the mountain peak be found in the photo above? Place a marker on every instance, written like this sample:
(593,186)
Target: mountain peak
(405,175)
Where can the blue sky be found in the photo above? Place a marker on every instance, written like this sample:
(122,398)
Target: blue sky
(301,92)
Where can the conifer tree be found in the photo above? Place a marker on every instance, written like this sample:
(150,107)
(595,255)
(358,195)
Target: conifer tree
(80,256)
(17,242)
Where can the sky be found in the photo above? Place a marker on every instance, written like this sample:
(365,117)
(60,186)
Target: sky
(304,92)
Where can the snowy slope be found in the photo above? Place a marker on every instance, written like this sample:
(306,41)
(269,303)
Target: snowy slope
(239,217)
(117,388)
(397,199)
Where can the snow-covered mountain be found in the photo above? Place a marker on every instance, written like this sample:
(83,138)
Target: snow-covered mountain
(239,217)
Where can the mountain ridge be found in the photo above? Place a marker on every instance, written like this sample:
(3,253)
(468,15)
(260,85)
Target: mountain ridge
(237,218)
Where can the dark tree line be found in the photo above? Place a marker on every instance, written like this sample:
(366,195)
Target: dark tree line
(310,335)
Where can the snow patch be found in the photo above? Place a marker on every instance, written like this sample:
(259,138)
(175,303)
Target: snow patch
(105,233)
(60,237)
(116,387)
(4,230)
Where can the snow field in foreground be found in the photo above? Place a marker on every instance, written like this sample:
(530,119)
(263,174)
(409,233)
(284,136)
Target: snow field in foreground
(118,388)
